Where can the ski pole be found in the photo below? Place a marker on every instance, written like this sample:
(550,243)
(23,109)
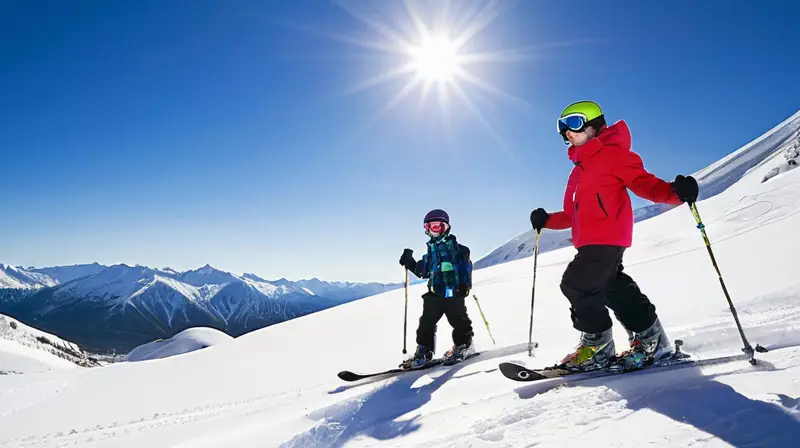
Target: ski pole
(748,349)
(486,322)
(405,317)
(533,292)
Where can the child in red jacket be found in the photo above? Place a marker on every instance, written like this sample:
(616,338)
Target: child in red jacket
(598,209)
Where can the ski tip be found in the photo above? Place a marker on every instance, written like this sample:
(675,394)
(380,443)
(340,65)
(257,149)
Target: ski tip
(518,372)
(347,375)
(511,370)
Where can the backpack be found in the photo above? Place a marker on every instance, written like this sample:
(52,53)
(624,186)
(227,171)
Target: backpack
(464,266)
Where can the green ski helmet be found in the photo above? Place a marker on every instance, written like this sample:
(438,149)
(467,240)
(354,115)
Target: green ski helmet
(577,116)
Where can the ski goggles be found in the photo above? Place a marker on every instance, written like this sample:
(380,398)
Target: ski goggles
(436,227)
(572,122)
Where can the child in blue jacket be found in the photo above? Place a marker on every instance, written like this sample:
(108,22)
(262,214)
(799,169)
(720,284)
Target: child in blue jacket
(448,268)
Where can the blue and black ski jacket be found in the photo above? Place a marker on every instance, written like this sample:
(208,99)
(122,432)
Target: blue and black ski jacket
(447,266)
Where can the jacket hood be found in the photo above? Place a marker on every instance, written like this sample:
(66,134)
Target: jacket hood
(618,135)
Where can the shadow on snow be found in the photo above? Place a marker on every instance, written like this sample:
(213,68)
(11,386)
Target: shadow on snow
(692,398)
(374,414)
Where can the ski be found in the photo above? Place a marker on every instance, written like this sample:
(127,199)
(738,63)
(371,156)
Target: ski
(518,372)
(349,376)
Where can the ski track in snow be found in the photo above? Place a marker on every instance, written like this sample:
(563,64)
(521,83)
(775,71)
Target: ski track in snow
(160,420)
(232,394)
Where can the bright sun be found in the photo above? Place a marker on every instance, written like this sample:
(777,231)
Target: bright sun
(436,59)
(432,45)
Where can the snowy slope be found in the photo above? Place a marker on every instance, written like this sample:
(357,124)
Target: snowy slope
(233,395)
(16,359)
(792,156)
(184,342)
(713,179)
(340,290)
(15,277)
(24,349)
(64,274)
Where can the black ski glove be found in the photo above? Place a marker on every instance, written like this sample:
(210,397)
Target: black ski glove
(686,188)
(539,219)
(407,260)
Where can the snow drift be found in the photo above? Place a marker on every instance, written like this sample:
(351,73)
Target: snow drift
(186,341)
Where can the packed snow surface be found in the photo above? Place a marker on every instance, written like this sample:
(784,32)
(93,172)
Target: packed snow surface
(277,387)
(16,358)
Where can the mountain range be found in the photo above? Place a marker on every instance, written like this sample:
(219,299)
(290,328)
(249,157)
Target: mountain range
(119,307)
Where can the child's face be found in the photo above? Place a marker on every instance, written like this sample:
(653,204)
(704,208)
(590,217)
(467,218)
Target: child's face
(580,138)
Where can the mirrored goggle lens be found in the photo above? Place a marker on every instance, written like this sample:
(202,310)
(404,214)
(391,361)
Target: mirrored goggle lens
(571,122)
(436,226)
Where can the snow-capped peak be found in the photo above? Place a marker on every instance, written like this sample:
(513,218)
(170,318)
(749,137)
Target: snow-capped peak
(207,275)
(65,274)
(15,277)
(253,277)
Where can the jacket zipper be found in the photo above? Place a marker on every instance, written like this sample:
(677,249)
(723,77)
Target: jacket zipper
(600,201)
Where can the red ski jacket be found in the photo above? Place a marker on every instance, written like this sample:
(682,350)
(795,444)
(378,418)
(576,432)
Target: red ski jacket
(596,202)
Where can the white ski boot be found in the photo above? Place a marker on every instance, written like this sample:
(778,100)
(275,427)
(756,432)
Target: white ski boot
(647,347)
(458,353)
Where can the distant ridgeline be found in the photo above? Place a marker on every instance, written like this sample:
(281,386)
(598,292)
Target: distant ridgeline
(115,309)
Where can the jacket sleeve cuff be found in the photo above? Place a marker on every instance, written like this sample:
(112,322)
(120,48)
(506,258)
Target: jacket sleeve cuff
(558,221)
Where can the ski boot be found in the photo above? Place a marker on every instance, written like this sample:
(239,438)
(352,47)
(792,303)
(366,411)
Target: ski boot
(422,357)
(595,351)
(458,353)
(647,347)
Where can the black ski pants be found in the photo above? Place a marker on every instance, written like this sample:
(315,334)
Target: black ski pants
(433,307)
(594,282)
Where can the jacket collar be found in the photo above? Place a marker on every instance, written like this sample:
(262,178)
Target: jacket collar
(441,238)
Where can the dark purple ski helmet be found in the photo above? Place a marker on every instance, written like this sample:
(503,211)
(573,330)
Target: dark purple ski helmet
(437,215)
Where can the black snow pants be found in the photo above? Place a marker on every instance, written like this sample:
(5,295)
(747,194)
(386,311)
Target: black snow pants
(433,308)
(593,281)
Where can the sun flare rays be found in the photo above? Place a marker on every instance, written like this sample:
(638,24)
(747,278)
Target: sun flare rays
(433,55)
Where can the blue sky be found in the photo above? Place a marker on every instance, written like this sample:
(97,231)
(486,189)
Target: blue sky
(184,133)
